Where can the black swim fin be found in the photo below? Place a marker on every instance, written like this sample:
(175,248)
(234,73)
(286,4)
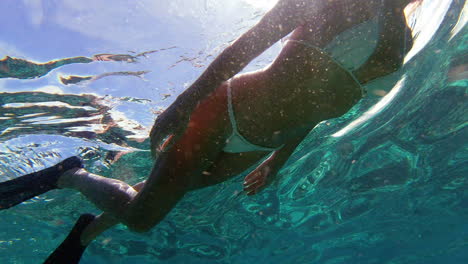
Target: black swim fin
(71,250)
(25,187)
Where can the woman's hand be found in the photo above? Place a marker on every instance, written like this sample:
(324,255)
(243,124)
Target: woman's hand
(264,174)
(257,179)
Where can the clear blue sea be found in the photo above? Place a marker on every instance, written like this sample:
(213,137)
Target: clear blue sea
(387,183)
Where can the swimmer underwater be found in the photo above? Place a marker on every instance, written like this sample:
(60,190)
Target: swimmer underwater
(225,122)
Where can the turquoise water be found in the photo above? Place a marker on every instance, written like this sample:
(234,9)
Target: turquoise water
(390,189)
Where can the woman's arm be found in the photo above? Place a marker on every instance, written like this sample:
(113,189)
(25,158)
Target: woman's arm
(277,23)
(395,41)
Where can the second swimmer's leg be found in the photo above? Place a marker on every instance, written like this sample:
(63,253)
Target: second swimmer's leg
(86,229)
(109,195)
(118,199)
(102,222)
(23,188)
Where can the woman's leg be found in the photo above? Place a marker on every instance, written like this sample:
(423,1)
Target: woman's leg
(114,197)
(181,168)
(196,160)
(174,172)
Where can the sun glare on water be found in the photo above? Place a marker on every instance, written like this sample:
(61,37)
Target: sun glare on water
(262,4)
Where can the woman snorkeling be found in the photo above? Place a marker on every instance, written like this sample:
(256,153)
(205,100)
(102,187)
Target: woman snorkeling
(226,121)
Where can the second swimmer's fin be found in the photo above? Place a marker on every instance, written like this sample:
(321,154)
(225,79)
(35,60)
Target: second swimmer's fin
(71,250)
(25,187)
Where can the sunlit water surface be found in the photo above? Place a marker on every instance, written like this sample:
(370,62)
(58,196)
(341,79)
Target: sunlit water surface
(386,183)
